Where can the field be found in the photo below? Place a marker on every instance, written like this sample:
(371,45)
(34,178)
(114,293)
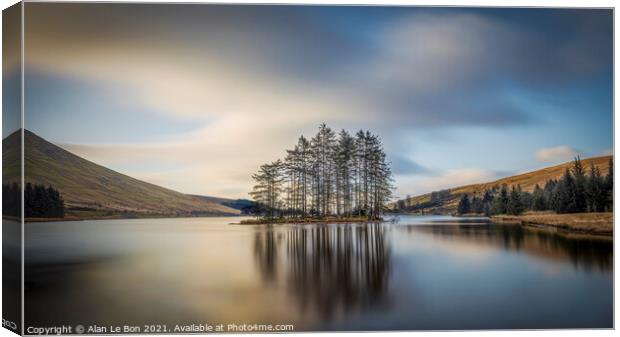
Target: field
(587,223)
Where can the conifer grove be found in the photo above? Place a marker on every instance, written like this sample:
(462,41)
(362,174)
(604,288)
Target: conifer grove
(336,175)
(579,190)
(40,201)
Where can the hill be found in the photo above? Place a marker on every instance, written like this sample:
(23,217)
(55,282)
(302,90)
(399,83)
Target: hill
(243,205)
(92,190)
(445,201)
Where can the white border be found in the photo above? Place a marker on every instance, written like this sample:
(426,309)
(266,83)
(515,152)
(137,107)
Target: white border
(469,3)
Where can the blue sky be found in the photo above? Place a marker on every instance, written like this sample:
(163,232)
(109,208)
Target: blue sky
(196,97)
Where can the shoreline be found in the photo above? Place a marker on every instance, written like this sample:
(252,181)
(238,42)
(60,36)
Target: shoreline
(113,217)
(599,224)
(308,221)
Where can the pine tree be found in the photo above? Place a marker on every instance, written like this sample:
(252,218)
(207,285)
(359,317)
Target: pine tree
(477,205)
(565,194)
(515,201)
(579,189)
(11,199)
(595,191)
(526,199)
(267,190)
(538,199)
(41,201)
(344,160)
(487,209)
(327,176)
(609,187)
(303,146)
(464,205)
(500,203)
(487,200)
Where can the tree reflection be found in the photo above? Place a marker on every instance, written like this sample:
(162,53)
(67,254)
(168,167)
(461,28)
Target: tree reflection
(328,268)
(587,252)
(266,253)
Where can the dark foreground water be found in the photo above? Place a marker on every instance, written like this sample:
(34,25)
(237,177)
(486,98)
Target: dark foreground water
(420,273)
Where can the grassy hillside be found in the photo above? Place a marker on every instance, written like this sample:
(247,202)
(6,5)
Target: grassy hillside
(11,165)
(92,190)
(244,205)
(444,202)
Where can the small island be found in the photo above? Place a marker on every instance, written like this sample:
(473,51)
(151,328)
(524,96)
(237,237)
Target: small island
(328,178)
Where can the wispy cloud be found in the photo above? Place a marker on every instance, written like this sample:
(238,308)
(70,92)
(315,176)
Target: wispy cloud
(448,179)
(196,97)
(260,61)
(557,153)
(608,152)
(404,165)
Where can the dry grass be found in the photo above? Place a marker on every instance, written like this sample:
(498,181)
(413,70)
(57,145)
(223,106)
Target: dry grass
(591,223)
(86,185)
(527,181)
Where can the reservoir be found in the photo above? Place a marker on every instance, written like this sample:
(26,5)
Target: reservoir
(412,273)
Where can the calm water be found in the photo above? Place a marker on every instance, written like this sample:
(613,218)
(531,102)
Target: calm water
(419,273)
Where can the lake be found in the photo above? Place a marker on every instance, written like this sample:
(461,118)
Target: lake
(419,273)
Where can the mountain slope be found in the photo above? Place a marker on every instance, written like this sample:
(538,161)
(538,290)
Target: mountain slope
(87,186)
(244,205)
(443,202)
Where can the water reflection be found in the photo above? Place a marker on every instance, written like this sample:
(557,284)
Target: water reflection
(584,252)
(417,274)
(328,268)
(266,253)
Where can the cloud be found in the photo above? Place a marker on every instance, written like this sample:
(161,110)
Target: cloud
(404,165)
(212,160)
(555,154)
(214,91)
(608,152)
(458,177)
(438,69)
(428,68)
(448,179)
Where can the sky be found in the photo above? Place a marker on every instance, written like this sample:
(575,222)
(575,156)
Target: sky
(196,97)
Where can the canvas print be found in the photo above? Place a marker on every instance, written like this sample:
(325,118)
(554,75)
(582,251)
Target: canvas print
(209,168)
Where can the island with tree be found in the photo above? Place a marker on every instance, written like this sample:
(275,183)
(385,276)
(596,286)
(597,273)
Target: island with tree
(328,178)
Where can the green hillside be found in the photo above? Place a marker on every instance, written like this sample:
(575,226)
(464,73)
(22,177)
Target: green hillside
(91,190)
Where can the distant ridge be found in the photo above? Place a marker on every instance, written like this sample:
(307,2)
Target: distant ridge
(91,190)
(243,205)
(445,201)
